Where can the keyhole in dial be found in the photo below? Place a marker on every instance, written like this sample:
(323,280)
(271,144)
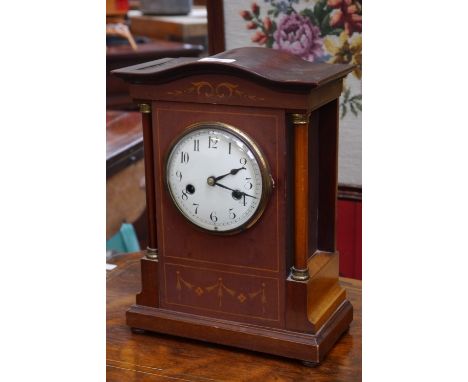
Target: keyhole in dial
(190,188)
(236,194)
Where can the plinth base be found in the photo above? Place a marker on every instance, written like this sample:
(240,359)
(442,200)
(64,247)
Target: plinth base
(298,345)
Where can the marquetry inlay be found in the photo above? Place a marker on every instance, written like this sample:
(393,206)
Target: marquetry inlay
(220,90)
(221,290)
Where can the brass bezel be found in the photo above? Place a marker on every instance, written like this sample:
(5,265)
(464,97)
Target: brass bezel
(267,179)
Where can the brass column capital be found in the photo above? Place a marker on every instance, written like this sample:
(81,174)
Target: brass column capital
(151,253)
(145,108)
(300,119)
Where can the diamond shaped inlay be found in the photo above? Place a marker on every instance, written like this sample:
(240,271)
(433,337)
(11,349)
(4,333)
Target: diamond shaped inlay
(199,291)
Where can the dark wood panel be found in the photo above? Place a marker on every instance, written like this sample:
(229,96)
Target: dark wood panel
(216,39)
(189,247)
(232,90)
(150,181)
(302,346)
(328,175)
(253,62)
(149,294)
(313,180)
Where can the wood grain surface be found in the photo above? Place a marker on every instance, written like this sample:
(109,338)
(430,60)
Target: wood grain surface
(193,255)
(254,62)
(158,357)
(301,195)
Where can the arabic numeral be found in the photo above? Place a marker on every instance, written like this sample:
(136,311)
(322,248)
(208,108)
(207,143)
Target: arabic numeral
(248,185)
(213,142)
(213,217)
(178,174)
(232,215)
(243,161)
(184,157)
(184,195)
(196,207)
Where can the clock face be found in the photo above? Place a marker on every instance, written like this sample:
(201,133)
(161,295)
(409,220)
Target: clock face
(218,178)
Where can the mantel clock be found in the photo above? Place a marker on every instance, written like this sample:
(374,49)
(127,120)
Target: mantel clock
(241,184)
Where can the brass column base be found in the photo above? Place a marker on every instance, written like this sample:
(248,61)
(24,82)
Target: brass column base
(299,274)
(151,253)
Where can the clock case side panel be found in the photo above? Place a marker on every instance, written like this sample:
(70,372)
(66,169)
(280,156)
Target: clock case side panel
(149,294)
(312,302)
(184,251)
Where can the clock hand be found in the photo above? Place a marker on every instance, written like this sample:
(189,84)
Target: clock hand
(234,171)
(223,186)
(238,192)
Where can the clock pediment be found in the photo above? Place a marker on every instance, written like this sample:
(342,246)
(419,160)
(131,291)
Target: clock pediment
(271,67)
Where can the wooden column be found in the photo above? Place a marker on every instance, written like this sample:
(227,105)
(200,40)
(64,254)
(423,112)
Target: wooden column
(301,196)
(151,250)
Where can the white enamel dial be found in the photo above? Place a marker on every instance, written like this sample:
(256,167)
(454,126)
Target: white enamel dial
(217,178)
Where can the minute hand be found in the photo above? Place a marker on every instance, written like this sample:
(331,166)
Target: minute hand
(234,171)
(230,189)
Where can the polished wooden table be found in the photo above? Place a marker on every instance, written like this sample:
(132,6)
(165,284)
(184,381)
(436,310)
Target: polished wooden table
(158,357)
(124,140)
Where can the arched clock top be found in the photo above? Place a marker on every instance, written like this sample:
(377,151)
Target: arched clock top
(273,67)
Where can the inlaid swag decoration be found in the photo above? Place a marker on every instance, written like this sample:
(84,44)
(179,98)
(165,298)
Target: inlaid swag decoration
(220,289)
(323,31)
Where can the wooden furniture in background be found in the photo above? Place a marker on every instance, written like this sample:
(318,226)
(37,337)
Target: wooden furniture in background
(215,16)
(307,310)
(191,28)
(159,357)
(124,140)
(125,188)
(121,30)
(116,10)
(119,56)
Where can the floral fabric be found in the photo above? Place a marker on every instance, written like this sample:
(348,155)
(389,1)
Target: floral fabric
(315,30)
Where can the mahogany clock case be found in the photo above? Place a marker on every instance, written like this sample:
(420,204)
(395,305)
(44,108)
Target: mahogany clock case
(238,290)
(245,261)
